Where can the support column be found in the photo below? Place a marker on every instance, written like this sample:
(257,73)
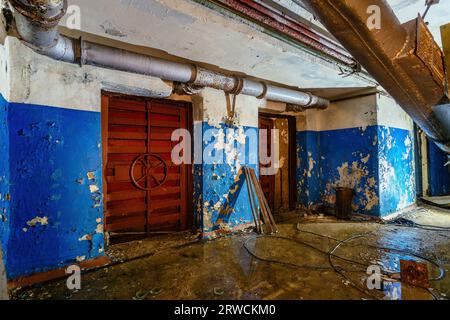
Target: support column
(222,147)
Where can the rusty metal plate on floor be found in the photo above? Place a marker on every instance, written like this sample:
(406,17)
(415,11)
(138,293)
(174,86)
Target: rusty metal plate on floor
(414,273)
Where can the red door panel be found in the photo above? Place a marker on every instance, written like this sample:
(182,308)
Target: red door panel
(136,128)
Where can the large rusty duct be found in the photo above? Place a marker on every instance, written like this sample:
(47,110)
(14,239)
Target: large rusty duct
(404,59)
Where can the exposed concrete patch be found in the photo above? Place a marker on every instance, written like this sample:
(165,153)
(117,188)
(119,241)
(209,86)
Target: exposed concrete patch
(111,30)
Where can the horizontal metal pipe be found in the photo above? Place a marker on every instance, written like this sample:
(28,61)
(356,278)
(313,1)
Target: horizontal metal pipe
(38,29)
(123,60)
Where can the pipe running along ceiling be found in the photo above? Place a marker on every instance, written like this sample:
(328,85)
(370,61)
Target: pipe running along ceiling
(36,23)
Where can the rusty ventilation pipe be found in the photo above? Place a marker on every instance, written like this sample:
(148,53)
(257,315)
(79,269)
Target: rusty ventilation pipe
(37,21)
(404,59)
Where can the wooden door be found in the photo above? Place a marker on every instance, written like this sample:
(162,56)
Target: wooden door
(144,190)
(267,182)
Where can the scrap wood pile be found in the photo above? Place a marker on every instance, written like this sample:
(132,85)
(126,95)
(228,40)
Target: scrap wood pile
(262,215)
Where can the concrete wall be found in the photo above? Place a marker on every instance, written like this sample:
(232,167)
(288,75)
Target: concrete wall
(356,144)
(219,182)
(396,157)
(50,128)
(4,175)
(338,148)
(51,131)
(52,209)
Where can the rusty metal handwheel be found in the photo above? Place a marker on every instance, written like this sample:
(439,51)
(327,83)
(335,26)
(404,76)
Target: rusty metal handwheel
(143,173)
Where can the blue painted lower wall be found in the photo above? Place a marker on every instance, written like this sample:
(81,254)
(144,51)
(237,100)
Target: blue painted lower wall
(439,176)
(4,176)
(357,158)
(396,169)
(220,190)
(55,186)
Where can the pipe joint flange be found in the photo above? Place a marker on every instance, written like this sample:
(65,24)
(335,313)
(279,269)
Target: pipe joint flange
(239,85)
(265,90)
(44,12)
(311,101)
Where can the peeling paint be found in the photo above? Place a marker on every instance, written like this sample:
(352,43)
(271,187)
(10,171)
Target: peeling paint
(43,221)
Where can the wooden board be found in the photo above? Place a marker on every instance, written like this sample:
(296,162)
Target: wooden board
(267,182)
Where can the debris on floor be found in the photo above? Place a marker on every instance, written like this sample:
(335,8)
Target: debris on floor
(312,257)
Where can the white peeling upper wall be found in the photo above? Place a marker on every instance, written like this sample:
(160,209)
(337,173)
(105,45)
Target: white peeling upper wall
(376,109)
(214,105)
(186,29)
(4,74)
(390,114)
(352,113)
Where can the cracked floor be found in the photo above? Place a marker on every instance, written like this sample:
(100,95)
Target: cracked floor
(293,265)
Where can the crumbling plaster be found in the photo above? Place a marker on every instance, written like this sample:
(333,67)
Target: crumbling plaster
(219,183)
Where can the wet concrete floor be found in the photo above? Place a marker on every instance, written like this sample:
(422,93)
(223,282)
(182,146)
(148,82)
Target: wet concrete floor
(293,265)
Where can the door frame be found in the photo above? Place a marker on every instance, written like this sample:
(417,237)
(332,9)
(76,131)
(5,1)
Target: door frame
(292,128)
(105,97)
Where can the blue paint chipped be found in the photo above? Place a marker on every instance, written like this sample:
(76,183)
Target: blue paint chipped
(357,158)
(220,189)
(4,176)
(396,169)
(54,219)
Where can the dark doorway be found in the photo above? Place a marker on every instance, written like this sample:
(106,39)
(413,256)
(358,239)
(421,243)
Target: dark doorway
(280,189)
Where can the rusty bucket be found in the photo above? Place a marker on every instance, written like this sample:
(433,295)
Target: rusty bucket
(344,199)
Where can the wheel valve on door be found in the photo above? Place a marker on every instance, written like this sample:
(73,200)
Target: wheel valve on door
(144,173)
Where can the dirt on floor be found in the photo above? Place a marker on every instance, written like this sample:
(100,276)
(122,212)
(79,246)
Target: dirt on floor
(312,257)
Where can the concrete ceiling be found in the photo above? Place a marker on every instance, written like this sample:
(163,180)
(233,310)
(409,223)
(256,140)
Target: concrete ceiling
(187,29)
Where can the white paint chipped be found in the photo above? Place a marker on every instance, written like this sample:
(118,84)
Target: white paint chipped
(94,188)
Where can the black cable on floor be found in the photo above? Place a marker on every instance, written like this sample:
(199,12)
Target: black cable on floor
(401,251)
